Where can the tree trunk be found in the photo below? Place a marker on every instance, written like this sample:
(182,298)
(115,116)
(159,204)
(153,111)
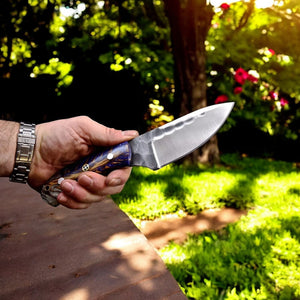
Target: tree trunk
(190,21)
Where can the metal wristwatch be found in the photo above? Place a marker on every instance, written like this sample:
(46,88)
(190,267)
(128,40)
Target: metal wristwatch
(24,153)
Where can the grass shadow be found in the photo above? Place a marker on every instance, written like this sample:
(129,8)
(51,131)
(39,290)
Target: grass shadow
(150,194)
(294,191)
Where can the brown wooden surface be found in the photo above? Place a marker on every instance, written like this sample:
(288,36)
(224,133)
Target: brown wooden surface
(56,253)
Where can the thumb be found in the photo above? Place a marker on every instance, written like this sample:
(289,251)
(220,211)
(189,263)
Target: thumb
(101,135)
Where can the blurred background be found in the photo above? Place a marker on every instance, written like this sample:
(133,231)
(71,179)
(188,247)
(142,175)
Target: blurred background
(139,64)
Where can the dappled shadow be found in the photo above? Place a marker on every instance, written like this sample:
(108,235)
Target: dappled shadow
(294,191)
(292,225)
(160,232)
(173,179)
(240,193)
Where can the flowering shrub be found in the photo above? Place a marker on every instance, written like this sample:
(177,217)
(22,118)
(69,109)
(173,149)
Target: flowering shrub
(256,100)
(241,77)
(157,115)
(250,65)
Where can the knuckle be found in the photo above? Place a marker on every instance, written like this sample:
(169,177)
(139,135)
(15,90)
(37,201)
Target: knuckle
(84,119)
(112,133)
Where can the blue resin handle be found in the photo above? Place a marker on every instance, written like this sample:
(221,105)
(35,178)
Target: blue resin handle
(112,158)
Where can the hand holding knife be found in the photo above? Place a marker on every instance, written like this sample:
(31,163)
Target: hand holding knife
(153,149)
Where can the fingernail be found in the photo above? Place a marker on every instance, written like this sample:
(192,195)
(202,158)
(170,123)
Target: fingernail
(85,180)
(130,133)
(67,187)
(115,182)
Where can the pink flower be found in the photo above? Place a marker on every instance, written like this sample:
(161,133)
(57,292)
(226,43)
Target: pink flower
(221,99)
(273,95)
(238,90)
(272,52)
(252,78)
(283,102)
(225,6)
(240,76)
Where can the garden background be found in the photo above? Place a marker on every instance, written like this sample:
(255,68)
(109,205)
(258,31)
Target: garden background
(139,64)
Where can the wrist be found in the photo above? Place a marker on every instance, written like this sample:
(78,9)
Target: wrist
(39,170)
(8,141)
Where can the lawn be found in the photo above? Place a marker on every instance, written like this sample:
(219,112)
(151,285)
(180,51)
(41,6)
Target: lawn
(255,258)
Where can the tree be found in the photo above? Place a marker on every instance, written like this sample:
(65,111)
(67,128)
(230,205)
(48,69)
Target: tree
(88,47)
(190,22)
(24,31)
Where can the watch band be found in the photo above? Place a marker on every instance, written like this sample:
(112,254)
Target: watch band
(24,153)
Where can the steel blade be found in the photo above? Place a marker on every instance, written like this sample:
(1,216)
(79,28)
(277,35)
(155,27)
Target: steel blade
(170,142)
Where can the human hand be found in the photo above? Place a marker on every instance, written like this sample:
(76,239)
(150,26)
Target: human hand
(60,143)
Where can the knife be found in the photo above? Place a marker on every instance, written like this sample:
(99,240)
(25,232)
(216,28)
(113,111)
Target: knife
(153,149)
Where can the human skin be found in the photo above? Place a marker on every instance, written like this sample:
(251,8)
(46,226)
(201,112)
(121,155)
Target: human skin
(60,143)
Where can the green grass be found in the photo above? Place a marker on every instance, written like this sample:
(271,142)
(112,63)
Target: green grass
(240,183)
(255,258)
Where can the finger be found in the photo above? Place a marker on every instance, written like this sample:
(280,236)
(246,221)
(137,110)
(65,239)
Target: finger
(92,182)
(111,136)
(103,186)
(73,190)
(118,177)
(68,202)
(92,187)
(101,135)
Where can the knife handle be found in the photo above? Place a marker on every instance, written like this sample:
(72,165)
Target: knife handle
(103,162)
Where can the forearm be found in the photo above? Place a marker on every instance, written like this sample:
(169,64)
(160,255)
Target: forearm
(8,144)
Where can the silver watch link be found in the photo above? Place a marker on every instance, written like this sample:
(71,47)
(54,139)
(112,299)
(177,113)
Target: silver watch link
(24,153)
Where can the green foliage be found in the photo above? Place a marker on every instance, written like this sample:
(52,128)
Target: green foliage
(125,35)
(157,115)
(271,102)
(55,37)
(128,35)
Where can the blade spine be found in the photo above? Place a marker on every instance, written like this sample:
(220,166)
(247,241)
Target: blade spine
(194,113)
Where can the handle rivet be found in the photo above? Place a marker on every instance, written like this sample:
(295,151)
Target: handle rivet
(85,167)
(110,156)
(60,180)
